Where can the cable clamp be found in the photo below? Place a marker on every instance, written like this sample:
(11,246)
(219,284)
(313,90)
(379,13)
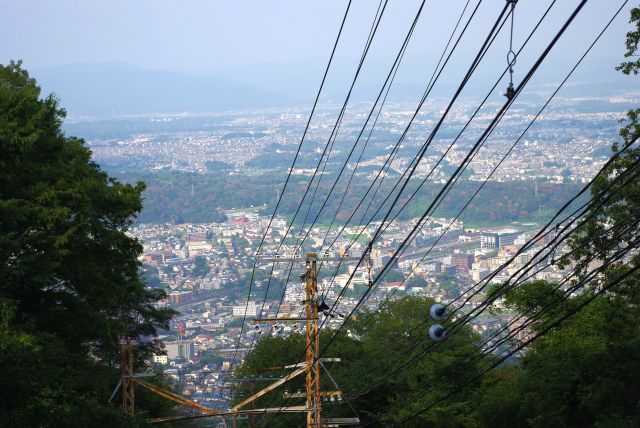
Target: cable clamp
(511,92)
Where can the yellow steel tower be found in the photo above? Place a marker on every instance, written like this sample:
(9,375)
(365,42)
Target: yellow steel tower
(311,366)
(313,342)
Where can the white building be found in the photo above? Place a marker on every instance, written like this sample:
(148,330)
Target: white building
(160,359)
(250,308)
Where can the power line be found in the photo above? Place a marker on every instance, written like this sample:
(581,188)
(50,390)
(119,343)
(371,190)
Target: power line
(472,68)
(507,153)
(392,373)
(425,95)
(500,290)
(519,88)
(485,133)
(617,256)
(584,208)
(421,153)
(387,83)
(473,156)
(551,247)
(521,280)
(395,150)
(566,205)
(427,91)
(372,32)
(315,103)
(527,342)
(504,288)
(334,131)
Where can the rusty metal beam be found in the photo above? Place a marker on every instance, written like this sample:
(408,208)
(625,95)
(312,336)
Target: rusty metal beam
(269,388)
(283,319)
(126,365)
(303,259)
(174,397)
(336,394)
(288,409)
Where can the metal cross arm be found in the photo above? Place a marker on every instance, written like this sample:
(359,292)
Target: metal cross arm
(282,319)
(285,259)
(269,388)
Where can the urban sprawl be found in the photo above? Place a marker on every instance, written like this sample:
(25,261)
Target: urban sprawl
(218,285)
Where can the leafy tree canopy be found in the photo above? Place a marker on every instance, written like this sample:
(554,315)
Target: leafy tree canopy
(70,287)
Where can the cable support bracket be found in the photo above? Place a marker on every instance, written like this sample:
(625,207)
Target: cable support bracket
(511,55)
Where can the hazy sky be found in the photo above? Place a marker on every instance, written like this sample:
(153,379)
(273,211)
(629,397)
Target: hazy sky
(281,47)
(208,34)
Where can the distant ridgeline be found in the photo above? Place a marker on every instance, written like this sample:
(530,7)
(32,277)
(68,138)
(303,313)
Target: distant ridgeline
(196,198)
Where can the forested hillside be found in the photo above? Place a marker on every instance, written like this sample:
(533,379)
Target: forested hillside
(191,198)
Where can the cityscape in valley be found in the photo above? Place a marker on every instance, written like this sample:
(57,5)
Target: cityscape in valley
(568,143)
(206,267)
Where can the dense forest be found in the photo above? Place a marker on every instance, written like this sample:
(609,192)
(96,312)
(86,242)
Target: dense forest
(173,197)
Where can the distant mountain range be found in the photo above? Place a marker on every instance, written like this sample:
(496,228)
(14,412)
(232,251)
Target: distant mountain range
(114,89)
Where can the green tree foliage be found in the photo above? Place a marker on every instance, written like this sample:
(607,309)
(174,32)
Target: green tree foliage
(168,198)
(632,42)
(239,244)
(365,344)
(584,374)
(70,286)
(201,267)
